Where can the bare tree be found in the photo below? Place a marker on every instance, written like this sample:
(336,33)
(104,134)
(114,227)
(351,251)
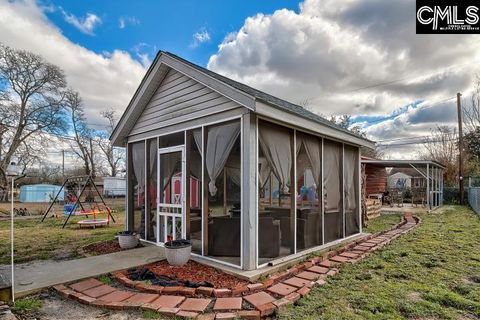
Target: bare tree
(471,111)
(114,156)
(442,146)
(31,95)
(82,144)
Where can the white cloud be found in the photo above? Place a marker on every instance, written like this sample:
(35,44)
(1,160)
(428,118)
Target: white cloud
(124,21)
(328,49)
(200,37)
(104,80)
(85,24)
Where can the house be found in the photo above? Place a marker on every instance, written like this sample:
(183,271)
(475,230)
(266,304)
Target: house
(251,179)
(114,187)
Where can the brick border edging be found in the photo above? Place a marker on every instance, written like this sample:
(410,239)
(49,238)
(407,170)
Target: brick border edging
(325,264)
(5,312)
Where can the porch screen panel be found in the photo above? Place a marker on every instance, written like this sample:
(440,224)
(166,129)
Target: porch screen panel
(151,203)
(275,213)
(136,214)
(332,184)
(222,187)
(194,165)
(351,192)
(309,209)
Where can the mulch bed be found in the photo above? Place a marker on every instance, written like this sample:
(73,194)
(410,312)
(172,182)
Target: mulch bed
(105,247)
(196,272)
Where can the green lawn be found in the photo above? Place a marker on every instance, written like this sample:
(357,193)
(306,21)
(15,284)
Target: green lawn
(47,240)
(431,273)
(382,223)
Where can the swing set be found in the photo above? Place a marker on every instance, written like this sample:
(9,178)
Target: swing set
(75,191)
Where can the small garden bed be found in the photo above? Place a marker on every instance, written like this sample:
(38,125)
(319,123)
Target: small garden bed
(104,247)
(191,275)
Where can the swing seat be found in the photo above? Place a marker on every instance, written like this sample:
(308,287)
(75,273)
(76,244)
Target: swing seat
(89,223)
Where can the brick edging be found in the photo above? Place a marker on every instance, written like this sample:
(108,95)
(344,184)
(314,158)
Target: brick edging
(281,288)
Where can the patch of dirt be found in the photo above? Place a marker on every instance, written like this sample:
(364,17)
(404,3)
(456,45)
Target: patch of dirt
(414,296)
(105,247)
(196,272)
(56,308)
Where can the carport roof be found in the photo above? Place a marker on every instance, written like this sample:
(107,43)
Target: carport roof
(401,163)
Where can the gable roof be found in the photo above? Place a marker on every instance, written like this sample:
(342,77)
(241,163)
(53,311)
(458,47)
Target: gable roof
(235,90)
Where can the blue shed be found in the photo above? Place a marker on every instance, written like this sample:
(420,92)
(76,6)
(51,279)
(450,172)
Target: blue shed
(40,193)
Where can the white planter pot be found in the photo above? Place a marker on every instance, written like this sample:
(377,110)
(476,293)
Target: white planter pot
(127,241)
(178,252)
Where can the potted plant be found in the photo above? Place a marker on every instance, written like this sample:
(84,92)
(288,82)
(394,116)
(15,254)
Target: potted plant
(178,252)
(127,239)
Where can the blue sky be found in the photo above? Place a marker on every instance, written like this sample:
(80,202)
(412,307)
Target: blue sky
(361,58)
(150,26)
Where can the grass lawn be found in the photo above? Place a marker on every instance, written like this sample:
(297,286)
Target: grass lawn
(47,240)
(382,223)
(431,273)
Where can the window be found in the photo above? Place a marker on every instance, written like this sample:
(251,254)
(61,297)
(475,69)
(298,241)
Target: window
(276,192)
(352,223)
(309,175)
(136,190)
(222,189)
(332,185)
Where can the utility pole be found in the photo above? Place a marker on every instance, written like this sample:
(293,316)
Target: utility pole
(460,146)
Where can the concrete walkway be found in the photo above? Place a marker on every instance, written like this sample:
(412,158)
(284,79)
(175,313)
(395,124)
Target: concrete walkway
(34,276)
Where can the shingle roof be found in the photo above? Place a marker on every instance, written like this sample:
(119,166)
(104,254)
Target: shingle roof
(272,100)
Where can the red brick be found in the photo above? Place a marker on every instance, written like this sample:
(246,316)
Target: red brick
(172,290)
(259,298)
(339,259)
(85,284)
(294,296)
(267,283)
(117,296)
(282,289)
(165,301)
(308,275)
(293,271)
(108,305)
(249,314)
(170,312)
(282,302)
(99,291)
(205,291)
(361,248)
(188,292)
(80,297)
(303,291)
(332,272)
(266,309)
(297,282)
(194,304)
(326,264)
(307,264)
(350,255)
(186,314)
(255,286)
(220,293)
(228,304)
(139,299)
(368,244)
(318,269)
(225,316)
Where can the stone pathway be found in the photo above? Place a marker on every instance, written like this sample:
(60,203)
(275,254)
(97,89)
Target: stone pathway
(254,301)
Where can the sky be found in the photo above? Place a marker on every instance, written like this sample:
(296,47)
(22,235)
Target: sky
(357,57)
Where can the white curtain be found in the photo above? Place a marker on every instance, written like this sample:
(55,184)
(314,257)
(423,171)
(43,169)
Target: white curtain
(332,153)
(197,136)
(276,148)
(264,171)
(350,158)
(313,149)
(220,141)
(138,164)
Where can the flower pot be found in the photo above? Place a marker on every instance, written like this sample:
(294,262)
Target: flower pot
(127,239)
(178,252)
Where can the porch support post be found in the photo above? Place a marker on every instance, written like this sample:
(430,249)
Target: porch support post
(428,188)
(249,191)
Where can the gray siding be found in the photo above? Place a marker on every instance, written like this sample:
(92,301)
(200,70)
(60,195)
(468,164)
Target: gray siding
(178,99)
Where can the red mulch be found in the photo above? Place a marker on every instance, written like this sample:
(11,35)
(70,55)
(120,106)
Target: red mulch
(105,247)
(196,272)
